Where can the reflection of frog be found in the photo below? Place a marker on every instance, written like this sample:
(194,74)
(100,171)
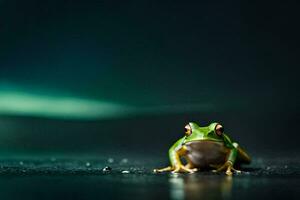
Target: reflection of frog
(205,147)
(195,187)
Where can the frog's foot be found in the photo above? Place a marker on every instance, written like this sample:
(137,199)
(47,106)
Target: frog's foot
(176,169)
(228,166)
(181,168)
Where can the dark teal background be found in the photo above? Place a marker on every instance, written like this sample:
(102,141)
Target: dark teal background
(151,53)
(169,62)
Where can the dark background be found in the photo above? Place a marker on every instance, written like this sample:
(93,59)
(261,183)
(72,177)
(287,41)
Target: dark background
(122,78)
(174,62)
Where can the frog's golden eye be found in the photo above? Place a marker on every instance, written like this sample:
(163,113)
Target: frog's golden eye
(187,130)
(219,129)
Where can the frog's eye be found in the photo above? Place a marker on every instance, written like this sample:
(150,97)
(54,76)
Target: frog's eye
(219,129)
(187,130)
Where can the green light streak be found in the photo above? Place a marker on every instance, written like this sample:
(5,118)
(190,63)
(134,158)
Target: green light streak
(60,107)
(20,103)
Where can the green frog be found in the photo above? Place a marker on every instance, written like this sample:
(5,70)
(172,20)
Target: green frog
(205,148)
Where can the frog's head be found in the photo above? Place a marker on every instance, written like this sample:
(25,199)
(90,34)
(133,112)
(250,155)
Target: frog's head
(212,132)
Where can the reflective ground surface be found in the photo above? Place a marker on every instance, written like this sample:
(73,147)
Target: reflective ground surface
(57,159)
(75,177)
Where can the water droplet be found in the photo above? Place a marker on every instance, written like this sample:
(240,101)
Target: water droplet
(110,160)
(21,163)
(88,164)
(106,169)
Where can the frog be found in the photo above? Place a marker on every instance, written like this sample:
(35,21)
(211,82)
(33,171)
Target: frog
(206,147)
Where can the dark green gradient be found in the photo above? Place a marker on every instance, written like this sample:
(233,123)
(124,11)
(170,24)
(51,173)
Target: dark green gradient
(146,54)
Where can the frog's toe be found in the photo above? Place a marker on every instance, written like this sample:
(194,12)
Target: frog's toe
(185,169)
(236,171)
(166,169)
(228,172)
(188,170)
(231,169)
(191,167)
(194,169)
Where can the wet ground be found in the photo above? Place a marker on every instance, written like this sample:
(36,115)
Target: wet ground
(82,177)
(56,159)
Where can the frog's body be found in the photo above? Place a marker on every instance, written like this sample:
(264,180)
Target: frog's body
(205,147)
(204,154)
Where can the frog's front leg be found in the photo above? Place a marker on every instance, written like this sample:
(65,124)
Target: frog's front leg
(228,165)
(176,164)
